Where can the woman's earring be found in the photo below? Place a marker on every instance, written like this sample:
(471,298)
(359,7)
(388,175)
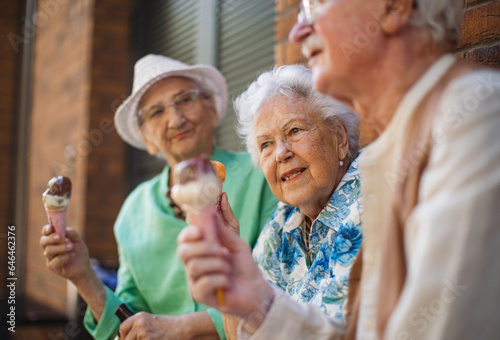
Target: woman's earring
(341,163)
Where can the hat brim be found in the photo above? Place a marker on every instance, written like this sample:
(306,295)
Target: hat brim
(209,78)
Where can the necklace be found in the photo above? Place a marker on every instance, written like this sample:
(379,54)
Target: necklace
(178,213)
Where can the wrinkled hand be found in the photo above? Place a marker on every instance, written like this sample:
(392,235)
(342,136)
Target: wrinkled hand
(227,214)
(228,266)
(148,326)
(69,259)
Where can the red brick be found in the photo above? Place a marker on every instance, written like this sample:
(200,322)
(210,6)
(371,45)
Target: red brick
(280,6)
(285,23)
(292,3)
(293,54)
(279,58)
(485,55)
(481,23)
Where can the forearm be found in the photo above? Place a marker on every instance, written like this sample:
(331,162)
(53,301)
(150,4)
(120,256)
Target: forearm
(93,292)
(289,319)
(199,326)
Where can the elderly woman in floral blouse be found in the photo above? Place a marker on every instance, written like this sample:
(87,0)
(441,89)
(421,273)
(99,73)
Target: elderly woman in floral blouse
(306,144)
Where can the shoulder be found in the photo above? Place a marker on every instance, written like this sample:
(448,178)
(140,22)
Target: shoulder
(470,102)
(143,197)
(145,188)
(234,161)
(465,139)
(279,217)
(471,91)
(350,185)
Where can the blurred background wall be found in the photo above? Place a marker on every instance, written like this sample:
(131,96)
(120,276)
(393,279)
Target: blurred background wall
(65,66)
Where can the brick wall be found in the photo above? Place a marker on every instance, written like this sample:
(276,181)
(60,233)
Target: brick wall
(106,171)
(480,40)
(9,75)
(81,73)
(60,110)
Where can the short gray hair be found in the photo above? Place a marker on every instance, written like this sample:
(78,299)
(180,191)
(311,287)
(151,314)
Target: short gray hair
(291,81)
(441,17)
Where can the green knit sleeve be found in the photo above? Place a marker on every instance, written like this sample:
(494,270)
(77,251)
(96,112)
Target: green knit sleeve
(108,325)
(217,320)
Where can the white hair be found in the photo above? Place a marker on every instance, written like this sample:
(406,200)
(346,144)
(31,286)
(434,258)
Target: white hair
(292,81)
(441,17)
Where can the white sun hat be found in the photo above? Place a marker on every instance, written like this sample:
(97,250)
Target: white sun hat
(153,68)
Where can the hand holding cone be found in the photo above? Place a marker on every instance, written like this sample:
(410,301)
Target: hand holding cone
(198,187)
(56,199)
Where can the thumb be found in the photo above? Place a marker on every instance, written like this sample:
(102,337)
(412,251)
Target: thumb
(73,235)
(230,239)
(228,215)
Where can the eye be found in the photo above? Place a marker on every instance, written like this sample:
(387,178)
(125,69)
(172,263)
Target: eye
(152,111)
(185,99)
(264,145)
(156,110)
(293,131)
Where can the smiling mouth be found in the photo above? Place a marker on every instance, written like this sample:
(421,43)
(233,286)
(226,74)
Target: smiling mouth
(181,135)
(292,174)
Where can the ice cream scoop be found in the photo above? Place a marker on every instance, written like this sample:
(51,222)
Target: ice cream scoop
(196,185)
(197,190)
(56,199)
(220,170)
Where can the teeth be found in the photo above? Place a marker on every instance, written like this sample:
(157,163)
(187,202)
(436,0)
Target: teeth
(292,175)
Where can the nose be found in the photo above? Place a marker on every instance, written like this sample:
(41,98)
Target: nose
(283,151)
(299,32)
(175,119)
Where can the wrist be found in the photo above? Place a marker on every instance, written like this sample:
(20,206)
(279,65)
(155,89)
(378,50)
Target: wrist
(197,325)
(185,321)
(186,325)
(261,308)
(88,281)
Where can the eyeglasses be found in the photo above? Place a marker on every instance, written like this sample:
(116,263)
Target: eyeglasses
(184,103)
(309,11)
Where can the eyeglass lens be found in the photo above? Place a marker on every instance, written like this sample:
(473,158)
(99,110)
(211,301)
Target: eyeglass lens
(183,103)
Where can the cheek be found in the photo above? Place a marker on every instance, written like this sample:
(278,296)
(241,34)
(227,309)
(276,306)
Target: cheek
(269,170)
(320,80)
(266,167)
(323,157)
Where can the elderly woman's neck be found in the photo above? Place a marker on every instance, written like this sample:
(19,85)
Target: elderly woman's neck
(313,209)
(394,76)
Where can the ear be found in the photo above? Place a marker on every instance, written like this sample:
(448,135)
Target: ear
(150,146)
(342,142)
(395,15)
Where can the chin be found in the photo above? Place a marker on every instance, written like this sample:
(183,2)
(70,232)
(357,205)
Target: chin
(320,80)
(324,84)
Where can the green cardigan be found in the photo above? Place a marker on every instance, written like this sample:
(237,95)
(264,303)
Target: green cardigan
(151,277)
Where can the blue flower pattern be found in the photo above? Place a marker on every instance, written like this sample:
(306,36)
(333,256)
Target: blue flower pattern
(334,242)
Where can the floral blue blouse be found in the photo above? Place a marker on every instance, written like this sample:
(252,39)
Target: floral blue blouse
(334,242)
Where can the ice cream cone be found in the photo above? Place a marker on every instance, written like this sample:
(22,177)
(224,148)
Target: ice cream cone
(57,220)
(56,199)
(198,187)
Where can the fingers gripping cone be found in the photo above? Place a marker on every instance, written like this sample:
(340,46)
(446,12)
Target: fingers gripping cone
(197,189)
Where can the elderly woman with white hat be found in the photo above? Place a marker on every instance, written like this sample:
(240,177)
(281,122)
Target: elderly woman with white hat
(172,112)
